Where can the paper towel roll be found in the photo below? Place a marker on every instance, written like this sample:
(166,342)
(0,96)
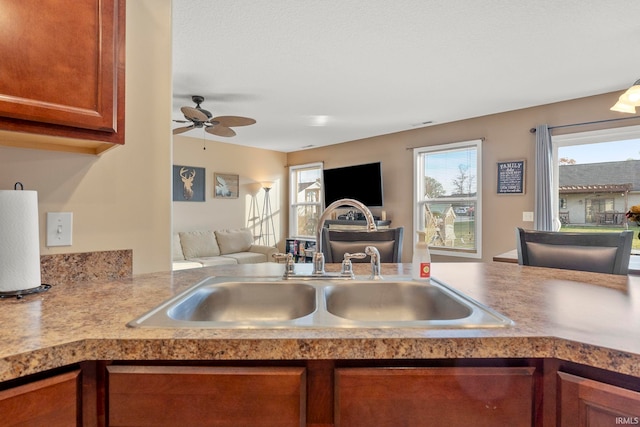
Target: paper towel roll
(19,241)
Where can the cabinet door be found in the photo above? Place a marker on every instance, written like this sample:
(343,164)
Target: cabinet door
(50,402)
(584,402)
(63,73)
(391,397)
(206,396)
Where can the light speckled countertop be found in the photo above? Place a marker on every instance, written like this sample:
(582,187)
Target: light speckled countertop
(582,317)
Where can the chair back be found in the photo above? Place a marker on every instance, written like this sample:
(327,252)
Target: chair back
(596,252)
(338,242)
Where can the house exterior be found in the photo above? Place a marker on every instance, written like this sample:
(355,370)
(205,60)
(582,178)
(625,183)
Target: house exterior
(598,193)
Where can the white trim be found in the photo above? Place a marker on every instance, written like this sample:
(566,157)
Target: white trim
(418,166)
(581,138)
(293,193)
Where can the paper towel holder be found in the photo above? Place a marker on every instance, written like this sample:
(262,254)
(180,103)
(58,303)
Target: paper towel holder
(22,292)
(18,294)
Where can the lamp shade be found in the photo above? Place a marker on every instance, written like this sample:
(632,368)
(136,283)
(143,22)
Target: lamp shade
(633,94)
(623,107)
(628,100)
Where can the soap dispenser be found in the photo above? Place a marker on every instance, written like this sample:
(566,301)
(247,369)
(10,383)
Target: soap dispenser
(421,263)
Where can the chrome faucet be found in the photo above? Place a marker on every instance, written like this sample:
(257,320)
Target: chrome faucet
(318,256)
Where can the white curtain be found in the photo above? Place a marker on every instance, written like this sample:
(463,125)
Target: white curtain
(543,207)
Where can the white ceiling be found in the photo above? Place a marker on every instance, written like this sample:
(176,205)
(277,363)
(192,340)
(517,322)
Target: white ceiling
(376,67)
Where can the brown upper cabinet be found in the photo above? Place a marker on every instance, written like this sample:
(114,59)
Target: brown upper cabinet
(62,75)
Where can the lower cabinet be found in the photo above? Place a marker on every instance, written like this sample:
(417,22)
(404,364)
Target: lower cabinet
(464,396)
(324,393)
(206,396)
(50,402)
(584,402)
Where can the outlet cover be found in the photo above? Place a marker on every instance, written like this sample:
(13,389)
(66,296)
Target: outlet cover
(527,216)
(59,228)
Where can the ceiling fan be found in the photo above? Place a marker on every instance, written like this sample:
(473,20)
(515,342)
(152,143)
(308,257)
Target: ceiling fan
(199,117)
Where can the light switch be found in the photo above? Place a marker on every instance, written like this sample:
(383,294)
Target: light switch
(527,216)
(59,228)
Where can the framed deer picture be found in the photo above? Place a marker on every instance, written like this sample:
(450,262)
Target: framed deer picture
(188,184)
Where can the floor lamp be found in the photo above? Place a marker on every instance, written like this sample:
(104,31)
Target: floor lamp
(253,218)
(266,224)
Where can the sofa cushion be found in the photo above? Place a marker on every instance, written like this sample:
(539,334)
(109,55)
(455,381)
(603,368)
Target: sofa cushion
(176,252)
(247,257)
(215,260)
(184,264)
(199,244)
(234,241)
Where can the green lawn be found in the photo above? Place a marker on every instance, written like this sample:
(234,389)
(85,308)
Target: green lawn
(600,229)
(465,230)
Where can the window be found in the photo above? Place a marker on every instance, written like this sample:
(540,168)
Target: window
(597,179)
(305,199)
(447,203)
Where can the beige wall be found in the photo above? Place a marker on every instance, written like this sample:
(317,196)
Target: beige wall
(121,199)
(252,165)
(507,137)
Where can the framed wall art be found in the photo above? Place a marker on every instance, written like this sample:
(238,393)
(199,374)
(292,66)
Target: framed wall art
(188,184)
(511,177)
(226,185)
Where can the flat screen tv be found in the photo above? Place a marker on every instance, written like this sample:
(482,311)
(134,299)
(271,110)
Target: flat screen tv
(360,182)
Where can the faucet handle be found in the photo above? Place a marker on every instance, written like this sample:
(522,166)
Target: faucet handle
(279,256)
(357,255)
(347,266)
(289,268)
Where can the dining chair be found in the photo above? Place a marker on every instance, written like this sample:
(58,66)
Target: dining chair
(595,252)
(338,242)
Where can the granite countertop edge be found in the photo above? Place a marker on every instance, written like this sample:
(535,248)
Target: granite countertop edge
(70,332)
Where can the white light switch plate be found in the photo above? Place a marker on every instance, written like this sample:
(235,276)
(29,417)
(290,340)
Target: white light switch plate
(527,216)
(59,228)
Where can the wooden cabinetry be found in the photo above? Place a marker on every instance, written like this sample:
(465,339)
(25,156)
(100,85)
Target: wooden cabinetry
(63,75)
(206,396)
(434,396)
(325,393)
(49,402)
(584,402)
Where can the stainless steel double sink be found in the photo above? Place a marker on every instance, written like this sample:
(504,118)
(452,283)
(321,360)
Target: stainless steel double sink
(231,302)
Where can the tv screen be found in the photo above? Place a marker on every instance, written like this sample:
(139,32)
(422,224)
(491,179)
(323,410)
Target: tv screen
(360,182)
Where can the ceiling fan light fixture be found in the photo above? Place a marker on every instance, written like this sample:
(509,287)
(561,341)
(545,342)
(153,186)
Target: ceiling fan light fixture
(628,100)
(199,117)
(623,107)
(633,93)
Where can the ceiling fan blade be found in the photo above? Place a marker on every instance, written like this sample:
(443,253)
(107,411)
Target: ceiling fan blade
(184,129)
(194,114)
(229,121)
(181,121)
(220,131)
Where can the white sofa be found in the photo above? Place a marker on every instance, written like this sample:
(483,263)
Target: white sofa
(193,249)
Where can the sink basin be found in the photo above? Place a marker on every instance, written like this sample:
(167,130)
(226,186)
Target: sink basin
(246,302)
(393,302)
(226,302)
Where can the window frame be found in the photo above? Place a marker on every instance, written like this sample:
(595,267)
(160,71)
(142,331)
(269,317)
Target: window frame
(418,202)
(294,204)
(583,138)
